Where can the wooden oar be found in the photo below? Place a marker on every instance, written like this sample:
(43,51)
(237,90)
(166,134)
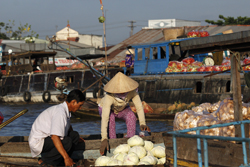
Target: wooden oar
(13,118)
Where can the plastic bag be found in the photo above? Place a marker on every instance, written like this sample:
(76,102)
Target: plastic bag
(188,60)
(146,108)
(180,118)
(209,120)
(186,119)
(226,110)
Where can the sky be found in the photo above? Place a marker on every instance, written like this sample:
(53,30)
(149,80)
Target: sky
(46,17)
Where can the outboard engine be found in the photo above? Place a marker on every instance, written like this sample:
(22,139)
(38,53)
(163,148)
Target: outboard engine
(60,83)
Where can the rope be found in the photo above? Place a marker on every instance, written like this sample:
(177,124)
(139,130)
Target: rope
(13,118)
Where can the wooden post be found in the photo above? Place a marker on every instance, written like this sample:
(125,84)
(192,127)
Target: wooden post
(236,92)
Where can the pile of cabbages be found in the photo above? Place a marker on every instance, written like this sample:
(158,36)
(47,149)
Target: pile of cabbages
(136,152)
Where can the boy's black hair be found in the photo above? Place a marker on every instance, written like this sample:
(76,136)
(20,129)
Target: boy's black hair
(75,94)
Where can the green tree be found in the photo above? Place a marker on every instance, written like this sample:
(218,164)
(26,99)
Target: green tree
(22,32)
(2,35)
(230,21)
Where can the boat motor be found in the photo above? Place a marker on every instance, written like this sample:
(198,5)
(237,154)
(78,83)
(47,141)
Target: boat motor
(60,83)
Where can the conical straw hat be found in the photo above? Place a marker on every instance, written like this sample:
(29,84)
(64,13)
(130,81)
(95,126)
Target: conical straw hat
(120,83)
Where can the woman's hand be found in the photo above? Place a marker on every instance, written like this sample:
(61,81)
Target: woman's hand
(104,145)
(145,128)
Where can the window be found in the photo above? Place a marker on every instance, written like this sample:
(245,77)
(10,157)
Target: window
(70,79)
(228,86)
(198,87)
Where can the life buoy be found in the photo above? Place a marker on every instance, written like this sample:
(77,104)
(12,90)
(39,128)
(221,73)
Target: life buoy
(46,96)
(4,91)
(26,96)
(95,92)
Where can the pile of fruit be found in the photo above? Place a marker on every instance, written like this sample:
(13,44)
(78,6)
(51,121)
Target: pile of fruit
(62,68)
(201,33)
(176,107)
(136,152)
(190,65)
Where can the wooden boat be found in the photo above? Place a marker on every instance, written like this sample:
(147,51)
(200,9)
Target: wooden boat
(155,85)
(90,109)
(148,116)
(14,150)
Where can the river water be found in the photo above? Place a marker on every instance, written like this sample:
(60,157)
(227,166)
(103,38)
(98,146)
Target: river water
(22,125)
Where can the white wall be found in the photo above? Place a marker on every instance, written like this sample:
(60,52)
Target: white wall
(92,40)
(164,23)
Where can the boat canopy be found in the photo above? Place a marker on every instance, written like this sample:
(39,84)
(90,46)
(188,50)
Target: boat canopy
(88,56)
(238,41)
(25,62)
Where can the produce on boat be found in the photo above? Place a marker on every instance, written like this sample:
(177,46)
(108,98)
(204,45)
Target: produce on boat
(207,114)
(140,152)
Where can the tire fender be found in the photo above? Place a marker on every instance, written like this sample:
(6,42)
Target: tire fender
(27,96)
(46,96)
(4,91)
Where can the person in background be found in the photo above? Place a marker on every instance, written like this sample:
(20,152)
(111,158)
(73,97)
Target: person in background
(51,134)
(129,62)
(115,104)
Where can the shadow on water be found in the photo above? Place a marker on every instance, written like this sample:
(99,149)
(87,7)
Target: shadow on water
(87,125)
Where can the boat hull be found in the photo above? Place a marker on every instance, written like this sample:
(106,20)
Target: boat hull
(160,89)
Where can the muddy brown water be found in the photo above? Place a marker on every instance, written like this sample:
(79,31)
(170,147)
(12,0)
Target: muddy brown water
(89,125)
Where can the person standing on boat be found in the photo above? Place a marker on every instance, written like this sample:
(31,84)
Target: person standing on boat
(115,104)
(51,134)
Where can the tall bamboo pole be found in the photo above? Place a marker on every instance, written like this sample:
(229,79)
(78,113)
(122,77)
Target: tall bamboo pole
(105,45)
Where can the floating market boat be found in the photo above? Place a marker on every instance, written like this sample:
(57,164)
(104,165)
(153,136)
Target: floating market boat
(151,60)
(14,150)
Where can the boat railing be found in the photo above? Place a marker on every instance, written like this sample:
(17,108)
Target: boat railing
(198,136)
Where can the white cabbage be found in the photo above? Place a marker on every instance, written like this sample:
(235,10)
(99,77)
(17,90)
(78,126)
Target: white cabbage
(159,162)
(163,160)
(102,161)
(158,152)
(114,162)
(131,159)
(135,141)
(149,153)
(122,148)
(139,150)
(119,156)
(148,145)
(143,163)
(150,159)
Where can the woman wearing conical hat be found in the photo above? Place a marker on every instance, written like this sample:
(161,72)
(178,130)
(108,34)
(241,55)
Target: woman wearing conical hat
(120,90)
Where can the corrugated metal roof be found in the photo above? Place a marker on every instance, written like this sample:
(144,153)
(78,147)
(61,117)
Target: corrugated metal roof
(156,35)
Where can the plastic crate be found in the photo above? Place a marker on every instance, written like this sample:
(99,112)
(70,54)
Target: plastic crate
(200,57)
